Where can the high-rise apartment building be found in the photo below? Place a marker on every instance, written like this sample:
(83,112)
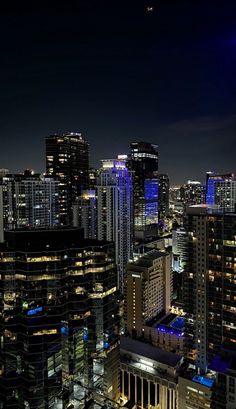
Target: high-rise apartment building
(163,195)
(67,159)
(209,284)
(114,204)
(148,290)
(213,180)
(30,201)
(59,320)
(144,165)
(225,195)
(85,213)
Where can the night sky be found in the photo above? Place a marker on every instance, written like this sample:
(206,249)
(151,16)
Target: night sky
(118,73)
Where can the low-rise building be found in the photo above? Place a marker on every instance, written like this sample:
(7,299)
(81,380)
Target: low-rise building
(148,375)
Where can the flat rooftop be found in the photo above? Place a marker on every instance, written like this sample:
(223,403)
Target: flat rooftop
(38,240)
(149,351)
(147,259)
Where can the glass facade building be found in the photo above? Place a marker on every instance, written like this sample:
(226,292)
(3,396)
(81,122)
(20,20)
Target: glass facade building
(59,321)
(67,159)
(144,165)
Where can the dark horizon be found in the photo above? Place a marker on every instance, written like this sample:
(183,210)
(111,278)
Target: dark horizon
(119,73)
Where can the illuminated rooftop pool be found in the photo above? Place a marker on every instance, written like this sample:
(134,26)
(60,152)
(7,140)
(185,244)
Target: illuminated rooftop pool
(203,381)
(178,323)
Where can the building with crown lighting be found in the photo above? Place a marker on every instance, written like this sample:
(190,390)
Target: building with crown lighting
(144,165)
(115,211)
(85,213)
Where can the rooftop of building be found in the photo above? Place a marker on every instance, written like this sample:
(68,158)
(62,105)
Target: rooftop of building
(151,352)
(36,240)
(147,259)
(208,209)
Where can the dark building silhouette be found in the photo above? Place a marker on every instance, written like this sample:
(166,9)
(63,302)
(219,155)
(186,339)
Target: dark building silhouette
(163,195)
(67,159)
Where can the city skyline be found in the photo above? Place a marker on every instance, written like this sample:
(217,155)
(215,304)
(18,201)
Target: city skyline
(121,73)
(118,204)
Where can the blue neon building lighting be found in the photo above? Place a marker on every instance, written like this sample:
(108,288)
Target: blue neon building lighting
(169,330)
(105,345)
(178,323)
(151,200)
(85,336)
(151,189)
(220,364)
(64,330)
(210,189)
(210,195)
(203,380)
(35,311)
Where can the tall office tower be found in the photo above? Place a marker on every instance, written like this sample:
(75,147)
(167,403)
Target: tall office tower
(59,320)
(151,204)
(67,159)
(85,213)
(212,181)
(192,193)
(148,290)
(92,178)
(209,285)
(163,195)
(30,200)
(179,249)
(114,204)
(144,165)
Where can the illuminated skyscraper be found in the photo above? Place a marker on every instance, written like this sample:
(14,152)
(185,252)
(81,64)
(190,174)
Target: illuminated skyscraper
(179,248)
(225,195)
(213,180)
(67,159)
(192,193)
(144,165)
(163,195)
(114,204)
(85,213)
(30,201)
(209,284)
(148,290)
